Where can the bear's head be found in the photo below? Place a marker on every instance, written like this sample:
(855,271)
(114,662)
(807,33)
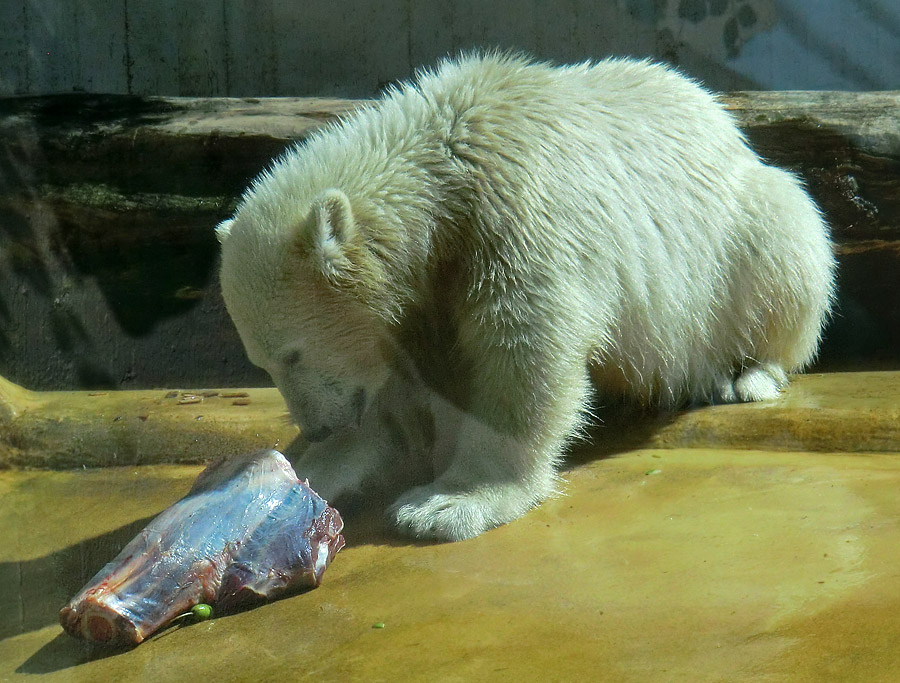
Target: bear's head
(304,290)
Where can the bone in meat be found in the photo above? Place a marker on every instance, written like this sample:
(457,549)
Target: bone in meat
(247,530)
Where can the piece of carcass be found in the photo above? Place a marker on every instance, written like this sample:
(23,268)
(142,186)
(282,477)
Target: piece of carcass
(248,530)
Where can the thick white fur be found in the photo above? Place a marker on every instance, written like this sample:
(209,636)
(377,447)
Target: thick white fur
(432,278)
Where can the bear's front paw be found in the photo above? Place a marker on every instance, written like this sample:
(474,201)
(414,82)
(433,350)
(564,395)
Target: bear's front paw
(433,511)
(429,512)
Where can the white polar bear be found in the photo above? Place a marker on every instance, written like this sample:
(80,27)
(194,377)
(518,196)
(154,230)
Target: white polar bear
(434,278)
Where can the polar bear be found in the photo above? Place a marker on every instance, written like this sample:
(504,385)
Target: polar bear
(434,279)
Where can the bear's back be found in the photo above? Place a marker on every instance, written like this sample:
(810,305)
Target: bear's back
(576,164)
(616,106)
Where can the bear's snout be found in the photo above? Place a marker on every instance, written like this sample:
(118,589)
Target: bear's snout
(353,412)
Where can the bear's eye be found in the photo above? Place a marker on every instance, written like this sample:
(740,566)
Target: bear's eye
(291,359)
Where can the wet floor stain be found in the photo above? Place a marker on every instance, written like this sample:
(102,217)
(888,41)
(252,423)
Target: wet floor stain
(721,565)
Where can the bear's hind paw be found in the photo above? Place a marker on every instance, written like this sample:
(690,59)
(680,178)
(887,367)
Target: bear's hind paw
(762,382)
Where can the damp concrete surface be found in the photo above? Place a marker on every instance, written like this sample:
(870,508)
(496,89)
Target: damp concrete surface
(654,565)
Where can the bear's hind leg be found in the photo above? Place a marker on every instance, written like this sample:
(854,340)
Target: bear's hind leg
(784,286)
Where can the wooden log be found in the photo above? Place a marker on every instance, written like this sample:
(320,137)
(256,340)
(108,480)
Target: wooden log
(845,145)
(107,205)
(195,155)
(71,429)
(835,412)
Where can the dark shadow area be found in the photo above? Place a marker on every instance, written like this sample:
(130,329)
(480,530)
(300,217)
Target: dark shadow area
(366,523)
(93,194)
(47,583)
(148,270)
(863,334)
(87,111)
(21,247)
(64,652)
(619,429)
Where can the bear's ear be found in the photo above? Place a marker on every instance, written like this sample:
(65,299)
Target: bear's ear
(333,235)
(223,230)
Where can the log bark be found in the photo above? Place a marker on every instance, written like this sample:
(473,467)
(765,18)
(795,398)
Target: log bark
(195,155)
(836,412)
(107,203)
(74,429)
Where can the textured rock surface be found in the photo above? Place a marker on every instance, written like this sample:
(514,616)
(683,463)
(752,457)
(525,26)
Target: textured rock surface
(848,412)
(658,564)
(722,565)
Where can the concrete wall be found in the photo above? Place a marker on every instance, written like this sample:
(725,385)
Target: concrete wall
(353,47)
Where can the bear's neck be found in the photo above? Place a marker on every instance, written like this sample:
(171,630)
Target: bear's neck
(402,185)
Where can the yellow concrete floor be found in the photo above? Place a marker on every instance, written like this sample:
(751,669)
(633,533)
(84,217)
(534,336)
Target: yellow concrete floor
(725,565)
